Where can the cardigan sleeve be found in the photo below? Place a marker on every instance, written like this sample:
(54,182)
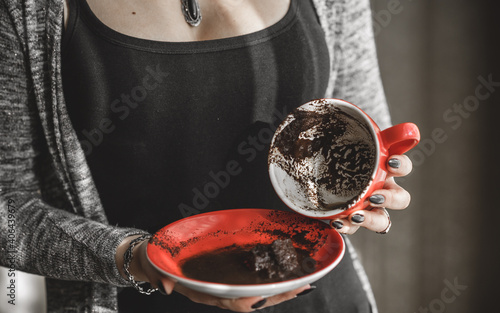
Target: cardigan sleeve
(35,236)
(355,60)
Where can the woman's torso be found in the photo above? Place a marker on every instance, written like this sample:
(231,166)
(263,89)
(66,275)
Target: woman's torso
(172,129)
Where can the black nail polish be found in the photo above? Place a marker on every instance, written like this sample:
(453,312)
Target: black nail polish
(394,163)
(358,218)
(161,289)
(338,224)
(377,199)
(305,292)
(259,304)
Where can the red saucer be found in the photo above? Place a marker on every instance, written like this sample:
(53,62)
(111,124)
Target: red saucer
(214,230)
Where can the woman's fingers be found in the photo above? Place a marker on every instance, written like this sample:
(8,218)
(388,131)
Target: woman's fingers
(143,270)
(344,226)
(274,300)
(198,297)
(399,165)
(393,196)
(376,220)
(248,304)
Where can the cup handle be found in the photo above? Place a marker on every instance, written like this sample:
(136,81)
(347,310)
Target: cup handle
(400,138)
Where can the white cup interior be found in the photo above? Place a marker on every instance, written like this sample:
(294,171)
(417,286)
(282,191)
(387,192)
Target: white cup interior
(302,194)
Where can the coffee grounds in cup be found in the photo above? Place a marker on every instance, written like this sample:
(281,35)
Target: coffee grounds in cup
(327,153)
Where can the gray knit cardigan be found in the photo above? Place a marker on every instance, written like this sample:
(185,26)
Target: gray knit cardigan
(52,222)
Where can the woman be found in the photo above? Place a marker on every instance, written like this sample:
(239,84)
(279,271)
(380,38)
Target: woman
(116,115)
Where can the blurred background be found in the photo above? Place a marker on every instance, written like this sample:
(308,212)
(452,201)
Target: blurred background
(442,254)
(440,67)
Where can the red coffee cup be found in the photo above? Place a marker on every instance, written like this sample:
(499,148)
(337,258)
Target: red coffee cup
(328,156)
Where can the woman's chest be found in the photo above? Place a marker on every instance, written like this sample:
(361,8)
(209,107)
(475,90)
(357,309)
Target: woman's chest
(164,20)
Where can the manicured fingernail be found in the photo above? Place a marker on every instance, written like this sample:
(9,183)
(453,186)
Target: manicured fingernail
(358,218)
(377,199)
(394,163)
(305,292)
(338,224)
(259,304)
(161,289)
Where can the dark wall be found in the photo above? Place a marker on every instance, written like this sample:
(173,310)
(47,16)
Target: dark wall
(434,56)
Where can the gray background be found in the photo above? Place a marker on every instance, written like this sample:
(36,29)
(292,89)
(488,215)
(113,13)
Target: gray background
(431,54)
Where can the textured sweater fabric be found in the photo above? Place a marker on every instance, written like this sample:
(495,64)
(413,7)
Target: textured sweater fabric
(51,219)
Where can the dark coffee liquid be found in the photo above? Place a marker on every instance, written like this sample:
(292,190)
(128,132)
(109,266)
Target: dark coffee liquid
(228,266)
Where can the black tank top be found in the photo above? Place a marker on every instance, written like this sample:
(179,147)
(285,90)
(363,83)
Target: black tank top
(172,129)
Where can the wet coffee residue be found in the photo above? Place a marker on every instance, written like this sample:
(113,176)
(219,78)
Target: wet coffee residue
(326,152)
(256,264)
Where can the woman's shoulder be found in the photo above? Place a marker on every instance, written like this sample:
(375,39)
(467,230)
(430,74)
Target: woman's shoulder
(22,10)
(337,12)
(25,19)
(29,4)
(343,18)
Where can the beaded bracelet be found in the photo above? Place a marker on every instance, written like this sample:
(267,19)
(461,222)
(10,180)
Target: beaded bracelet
(127,258)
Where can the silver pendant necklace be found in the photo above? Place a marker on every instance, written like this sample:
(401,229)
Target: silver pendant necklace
(191,11)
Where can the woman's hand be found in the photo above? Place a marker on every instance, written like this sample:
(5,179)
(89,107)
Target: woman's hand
(140,267)
(240,304)
(143,270)
(392,196)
